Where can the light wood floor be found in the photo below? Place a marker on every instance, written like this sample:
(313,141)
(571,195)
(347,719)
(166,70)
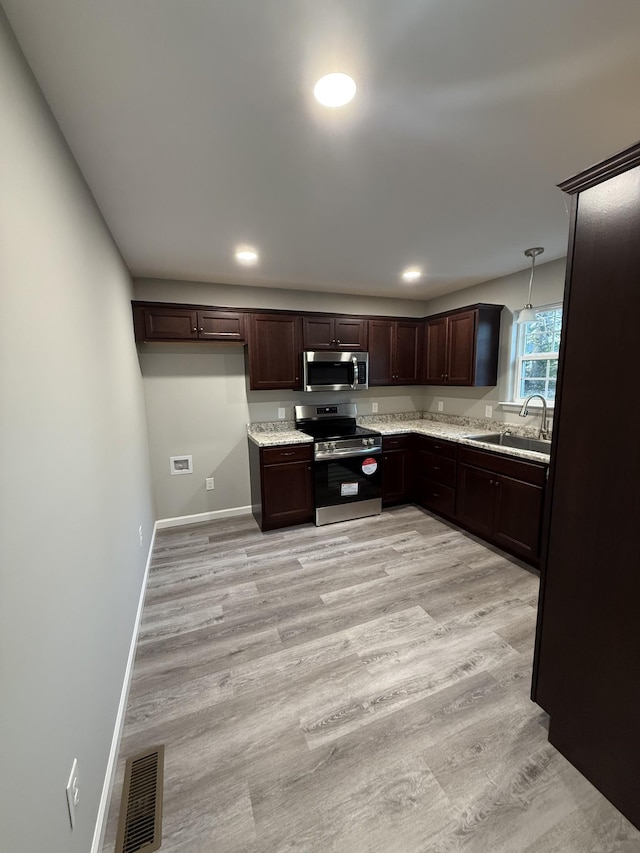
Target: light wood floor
(357,687)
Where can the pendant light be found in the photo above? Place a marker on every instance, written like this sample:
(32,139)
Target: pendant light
(528,313)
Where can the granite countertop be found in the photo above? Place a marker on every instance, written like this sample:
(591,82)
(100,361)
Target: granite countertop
(456,429)
(274,433)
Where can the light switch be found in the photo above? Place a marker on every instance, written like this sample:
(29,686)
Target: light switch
(440,405)
(281,413)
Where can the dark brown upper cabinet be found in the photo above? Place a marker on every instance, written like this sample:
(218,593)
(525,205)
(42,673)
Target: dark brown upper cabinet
(394,352)
(321,332)
(461,347)
(167,322)
(274,352)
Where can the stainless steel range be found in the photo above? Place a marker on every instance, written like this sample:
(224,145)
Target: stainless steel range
(348,462)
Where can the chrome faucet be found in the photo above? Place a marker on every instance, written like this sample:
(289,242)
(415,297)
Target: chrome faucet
(544,426)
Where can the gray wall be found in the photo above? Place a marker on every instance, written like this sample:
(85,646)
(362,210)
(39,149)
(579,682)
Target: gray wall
(510,291)
(199,403)
(238,296)
(74,485)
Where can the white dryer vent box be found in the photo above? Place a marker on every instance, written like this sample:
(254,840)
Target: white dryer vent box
(181,464)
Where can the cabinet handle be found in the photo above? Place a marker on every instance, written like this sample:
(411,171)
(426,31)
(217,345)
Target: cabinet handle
(435,494)
(288,453)
(338,342)
(435,467)
(194,330)
(497,483)
(491,483)
(201,329)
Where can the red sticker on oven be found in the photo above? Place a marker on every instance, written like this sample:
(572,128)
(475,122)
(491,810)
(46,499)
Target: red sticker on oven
(369,465)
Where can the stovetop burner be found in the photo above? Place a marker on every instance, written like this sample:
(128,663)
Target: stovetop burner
(335,432)
(330,423)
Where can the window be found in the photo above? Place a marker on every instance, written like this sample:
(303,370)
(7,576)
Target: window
(537,346)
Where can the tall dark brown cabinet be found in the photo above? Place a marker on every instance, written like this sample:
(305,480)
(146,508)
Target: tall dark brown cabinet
(587,664)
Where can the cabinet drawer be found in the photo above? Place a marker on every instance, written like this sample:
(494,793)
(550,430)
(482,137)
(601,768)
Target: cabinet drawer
(528,472)
(436,496)
(396,442)
(287,453)
(437,468)
(441,448)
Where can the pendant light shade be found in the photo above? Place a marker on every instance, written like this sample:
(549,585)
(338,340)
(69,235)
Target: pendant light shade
(528,313)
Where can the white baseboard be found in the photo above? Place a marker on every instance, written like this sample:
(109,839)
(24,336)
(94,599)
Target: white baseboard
(105,799)
(181,520)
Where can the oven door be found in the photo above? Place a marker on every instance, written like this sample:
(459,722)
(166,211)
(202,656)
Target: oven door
(348,479)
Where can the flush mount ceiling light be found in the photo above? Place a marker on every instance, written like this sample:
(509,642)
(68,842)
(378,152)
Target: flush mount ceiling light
(246,256)
(528,313)
(412,274)
(335,90)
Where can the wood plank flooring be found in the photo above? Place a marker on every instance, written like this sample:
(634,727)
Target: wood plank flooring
(357,687)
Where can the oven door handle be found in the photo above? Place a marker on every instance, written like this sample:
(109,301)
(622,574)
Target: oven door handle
(354,362)
(350,453)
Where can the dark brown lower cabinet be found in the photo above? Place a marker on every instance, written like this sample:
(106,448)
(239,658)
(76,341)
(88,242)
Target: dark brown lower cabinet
(435,466)
(501,499)
(281,484)
(396,469)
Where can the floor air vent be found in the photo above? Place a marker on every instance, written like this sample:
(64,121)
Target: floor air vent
(140,824)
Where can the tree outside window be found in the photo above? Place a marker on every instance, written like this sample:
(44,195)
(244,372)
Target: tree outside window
(537,347)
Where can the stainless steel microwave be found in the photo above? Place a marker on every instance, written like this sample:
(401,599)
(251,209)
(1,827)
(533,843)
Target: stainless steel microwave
(335,371)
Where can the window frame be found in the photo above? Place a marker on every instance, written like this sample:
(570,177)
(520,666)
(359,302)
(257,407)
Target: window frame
(519,356)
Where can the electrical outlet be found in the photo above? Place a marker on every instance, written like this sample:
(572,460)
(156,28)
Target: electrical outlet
(281,413)
(73,792)
(140,535)
(440,405)
(374,408)
(488,411)
(209,483)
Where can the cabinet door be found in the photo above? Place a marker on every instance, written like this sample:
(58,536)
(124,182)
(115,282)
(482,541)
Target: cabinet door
(394,476)
(381,337)
(350,333)
(460,348)
(317,333)
(274,352)
(287,491)
(517,517)
(476,499)
(170,324)
(407,346)
(221,326)
(435,348)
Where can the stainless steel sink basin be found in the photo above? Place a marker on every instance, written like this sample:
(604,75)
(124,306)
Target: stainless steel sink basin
(540,445)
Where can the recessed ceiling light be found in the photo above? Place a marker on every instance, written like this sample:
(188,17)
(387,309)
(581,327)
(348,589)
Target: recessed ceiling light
(246,255)
(335,90)
(412,274)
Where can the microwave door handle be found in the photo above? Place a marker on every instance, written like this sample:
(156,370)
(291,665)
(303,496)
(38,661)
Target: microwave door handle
(354,361)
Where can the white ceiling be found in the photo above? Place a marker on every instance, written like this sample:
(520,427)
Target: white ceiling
(194,125)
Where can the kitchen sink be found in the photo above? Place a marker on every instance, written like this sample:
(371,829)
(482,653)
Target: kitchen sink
(540,445)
